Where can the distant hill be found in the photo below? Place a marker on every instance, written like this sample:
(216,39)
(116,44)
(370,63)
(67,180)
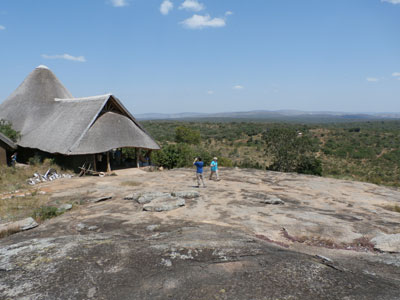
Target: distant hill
(265,115)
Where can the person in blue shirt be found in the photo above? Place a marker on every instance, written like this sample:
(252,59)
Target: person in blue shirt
(214,168)
(199,170)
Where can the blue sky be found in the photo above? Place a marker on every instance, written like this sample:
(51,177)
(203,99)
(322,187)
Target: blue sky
(210,56)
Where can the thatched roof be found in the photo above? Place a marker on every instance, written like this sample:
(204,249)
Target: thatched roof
(7,141)
(50,119)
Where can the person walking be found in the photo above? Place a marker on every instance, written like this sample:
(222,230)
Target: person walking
(214,168)
(199,170)
(14,159)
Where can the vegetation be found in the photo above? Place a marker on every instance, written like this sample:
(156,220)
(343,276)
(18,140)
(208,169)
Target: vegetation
(366,151)
(7,130)
(45,212)
(291,151)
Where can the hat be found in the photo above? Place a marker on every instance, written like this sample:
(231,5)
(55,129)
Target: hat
(215,158)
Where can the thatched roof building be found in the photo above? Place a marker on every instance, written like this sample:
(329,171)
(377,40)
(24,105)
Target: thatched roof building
(51,120)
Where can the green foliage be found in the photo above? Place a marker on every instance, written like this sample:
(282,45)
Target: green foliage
(173,156)
(7,130)
(187,135)
(224,162)
(34,160)
(45,212)
(366,151)
(291,152)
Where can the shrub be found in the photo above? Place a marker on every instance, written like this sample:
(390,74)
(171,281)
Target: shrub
(174,156)
(45,212)
(291,152)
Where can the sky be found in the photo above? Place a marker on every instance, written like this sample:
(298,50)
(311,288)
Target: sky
(171,56)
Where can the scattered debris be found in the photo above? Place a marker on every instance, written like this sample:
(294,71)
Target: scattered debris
(50,175)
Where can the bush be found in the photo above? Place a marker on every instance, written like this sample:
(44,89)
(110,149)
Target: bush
(174,156)
(45,212)
(224,162)
(291,152)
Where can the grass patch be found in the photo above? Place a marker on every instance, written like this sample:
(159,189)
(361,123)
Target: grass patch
(8,232)
(16,208)
(394,208)
(15,178)
(45,212)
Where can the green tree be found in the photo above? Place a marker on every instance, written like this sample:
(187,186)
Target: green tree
(186,135)
(291,152)
(7,130)
(173,156)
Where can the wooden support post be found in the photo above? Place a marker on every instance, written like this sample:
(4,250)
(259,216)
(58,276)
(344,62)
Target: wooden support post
(149,156)
(94,163)
(137,157)
(108,162)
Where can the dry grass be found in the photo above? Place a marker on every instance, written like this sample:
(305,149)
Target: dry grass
(19,200)
(16,208)
(394,208)
(8,231)
(13,179)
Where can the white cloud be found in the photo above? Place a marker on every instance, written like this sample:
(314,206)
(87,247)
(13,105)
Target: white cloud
(391,1)
(238,87)
(2,27)
(119,3)
(228,13)
(192,5)
(210,92)
(396,74)
(166,7)
(372,79)
(65,56)
(199,22)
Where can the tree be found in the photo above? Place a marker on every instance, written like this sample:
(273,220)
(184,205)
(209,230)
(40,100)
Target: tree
(291,152)
(173,156)
(186,135)
(7,130)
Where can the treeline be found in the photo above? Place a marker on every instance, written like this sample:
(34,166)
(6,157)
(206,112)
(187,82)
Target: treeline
(366,151)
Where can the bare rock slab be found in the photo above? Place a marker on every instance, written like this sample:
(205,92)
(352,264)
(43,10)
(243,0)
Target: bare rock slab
(64,207)
(148,197)
(21,225)
(164,204)
(387,242)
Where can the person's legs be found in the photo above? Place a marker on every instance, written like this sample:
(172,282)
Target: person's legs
(216,174)
(202,180)
(198,176)
(211,174)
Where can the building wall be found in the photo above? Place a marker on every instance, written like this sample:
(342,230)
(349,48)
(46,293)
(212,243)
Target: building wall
(3,156)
